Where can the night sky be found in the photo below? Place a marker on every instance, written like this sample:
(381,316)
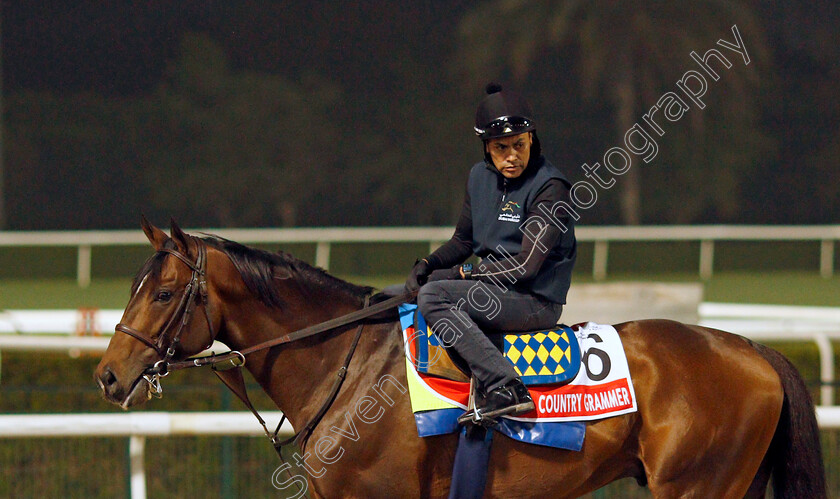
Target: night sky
(379,54)
(68,46)
(121,48)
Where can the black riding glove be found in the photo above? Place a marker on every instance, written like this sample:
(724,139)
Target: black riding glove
(419,276)
(445,274)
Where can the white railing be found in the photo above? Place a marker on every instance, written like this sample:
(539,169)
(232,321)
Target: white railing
(57,330)
(323,238)
(137,426)
(90,330)
(68,330)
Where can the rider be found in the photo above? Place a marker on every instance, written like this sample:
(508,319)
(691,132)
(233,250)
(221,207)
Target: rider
(516,218)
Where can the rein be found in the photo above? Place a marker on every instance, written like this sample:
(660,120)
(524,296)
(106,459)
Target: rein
(227,365)
(231,362)
(236,358)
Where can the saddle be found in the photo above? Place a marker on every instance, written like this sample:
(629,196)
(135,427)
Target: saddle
(539,357)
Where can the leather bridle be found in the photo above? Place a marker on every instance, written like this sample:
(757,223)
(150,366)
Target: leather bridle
(195,291)
(226,365)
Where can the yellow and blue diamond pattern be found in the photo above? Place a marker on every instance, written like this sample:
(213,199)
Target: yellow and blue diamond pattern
(545,357)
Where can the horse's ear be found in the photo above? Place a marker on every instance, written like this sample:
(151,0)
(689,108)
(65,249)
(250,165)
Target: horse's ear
(180,237)
(156,236)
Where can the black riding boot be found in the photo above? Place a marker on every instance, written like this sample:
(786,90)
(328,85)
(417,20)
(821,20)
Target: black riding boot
(511,399)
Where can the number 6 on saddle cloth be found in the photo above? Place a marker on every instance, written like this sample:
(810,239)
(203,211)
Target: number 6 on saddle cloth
(542,357)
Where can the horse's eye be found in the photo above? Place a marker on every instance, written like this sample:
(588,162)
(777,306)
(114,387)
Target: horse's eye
(163,296)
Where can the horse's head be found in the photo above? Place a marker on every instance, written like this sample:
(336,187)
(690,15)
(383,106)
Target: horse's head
(168,317)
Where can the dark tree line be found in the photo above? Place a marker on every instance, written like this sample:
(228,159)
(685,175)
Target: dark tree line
(268,115)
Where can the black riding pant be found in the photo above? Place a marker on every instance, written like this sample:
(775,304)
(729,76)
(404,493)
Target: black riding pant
(458,310)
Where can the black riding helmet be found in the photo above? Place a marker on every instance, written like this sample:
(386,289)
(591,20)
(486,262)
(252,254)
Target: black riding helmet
(504,113)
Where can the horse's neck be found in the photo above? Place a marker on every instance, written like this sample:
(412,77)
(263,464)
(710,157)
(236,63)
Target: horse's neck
(298,376)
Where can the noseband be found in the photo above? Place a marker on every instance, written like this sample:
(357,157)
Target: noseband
(197,287)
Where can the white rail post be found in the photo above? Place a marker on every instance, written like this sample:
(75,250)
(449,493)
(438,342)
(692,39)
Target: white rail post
(83,266)
(322,255)
(599,259)
(826,369)
(707,258)
(827,258)
(137,456)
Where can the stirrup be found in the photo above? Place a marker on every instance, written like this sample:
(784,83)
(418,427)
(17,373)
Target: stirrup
(476,416)
(471,416)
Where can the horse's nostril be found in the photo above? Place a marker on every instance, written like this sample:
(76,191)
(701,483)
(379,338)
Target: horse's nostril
(107,379)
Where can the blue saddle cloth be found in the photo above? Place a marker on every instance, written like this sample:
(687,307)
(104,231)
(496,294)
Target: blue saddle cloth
(532,355)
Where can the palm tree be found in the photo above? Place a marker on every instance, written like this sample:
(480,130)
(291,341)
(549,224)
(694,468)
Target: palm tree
(630,52)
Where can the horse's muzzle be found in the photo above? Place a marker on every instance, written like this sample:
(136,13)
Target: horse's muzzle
(107,382)
(116,393)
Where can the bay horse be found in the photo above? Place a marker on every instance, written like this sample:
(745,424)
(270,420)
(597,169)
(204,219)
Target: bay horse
(718,414)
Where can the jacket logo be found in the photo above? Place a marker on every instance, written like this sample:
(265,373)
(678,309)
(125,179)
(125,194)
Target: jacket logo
(508,214)
(510,205)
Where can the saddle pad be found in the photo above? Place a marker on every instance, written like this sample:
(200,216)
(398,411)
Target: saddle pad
(544,357)
(602,388)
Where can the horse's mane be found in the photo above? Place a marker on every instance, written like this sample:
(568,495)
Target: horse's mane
(259,270)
